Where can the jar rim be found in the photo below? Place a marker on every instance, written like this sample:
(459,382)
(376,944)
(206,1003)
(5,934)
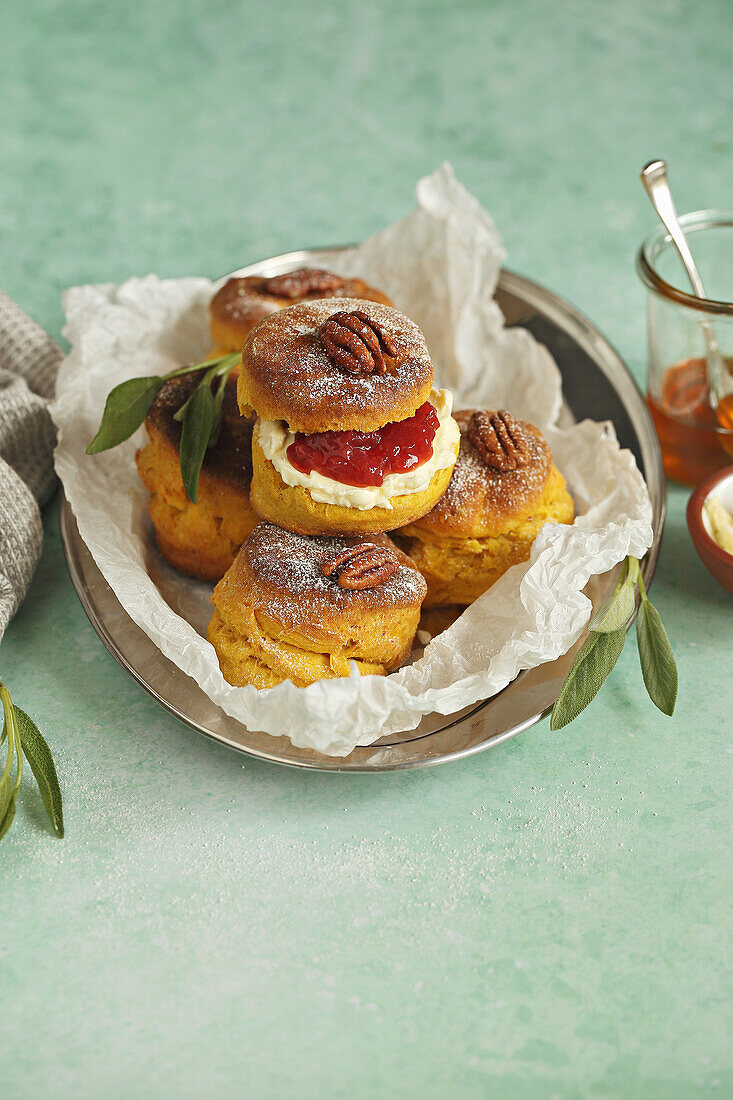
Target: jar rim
(696,220)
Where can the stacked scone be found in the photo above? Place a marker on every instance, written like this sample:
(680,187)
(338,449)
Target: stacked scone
(332,436)
(350,440)
(350,435)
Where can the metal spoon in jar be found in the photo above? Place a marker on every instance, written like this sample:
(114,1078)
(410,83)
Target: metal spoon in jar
(654,178)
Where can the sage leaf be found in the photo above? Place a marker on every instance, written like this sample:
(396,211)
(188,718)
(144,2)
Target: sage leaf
(7,705)
(6,793)
(126,407)
(616,611)
(197,425)
(180,414)
(594,661)
(218,405)
(38,755)
(6,778)
(658,666)
(7,820)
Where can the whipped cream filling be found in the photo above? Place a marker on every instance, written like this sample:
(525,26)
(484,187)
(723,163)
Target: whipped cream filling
(274,437)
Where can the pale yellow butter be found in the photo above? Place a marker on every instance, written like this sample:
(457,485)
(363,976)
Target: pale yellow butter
(721,523)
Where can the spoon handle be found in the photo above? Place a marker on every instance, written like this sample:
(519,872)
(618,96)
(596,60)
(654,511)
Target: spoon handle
(654,178)
(656,184)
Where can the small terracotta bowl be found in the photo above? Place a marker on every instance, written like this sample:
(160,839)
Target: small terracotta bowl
(715,560)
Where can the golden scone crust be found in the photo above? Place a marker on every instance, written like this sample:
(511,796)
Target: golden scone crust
(292,506)
(287,375)
(199,539)
(278,617)
(486,521)
(242,302)
(480,500)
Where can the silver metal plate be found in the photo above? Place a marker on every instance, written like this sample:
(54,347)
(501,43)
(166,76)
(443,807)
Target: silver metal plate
(596,384)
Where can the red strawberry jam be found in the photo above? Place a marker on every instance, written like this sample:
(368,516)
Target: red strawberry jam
(365,458)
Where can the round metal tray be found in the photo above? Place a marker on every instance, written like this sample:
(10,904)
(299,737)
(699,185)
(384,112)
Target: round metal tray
(596,384)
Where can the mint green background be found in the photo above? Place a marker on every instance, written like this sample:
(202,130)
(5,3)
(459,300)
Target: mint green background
(549,919)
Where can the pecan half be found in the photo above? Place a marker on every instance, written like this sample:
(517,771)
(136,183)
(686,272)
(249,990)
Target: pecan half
(301,282)
(363,566)
(356,343)
(500,440)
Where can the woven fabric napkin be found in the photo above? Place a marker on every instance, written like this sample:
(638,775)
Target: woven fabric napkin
(29,360)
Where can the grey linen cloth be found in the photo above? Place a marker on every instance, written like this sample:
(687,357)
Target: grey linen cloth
(29,360)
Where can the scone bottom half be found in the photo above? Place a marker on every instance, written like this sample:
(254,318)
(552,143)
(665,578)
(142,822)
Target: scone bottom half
(487,520)
(295,507)
(278,616)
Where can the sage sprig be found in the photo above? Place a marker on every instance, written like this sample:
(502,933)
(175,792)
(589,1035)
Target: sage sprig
(602,648)
(25,739)
(129,403)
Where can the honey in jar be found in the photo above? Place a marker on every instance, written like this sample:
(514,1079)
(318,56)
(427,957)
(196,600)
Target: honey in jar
(695,440)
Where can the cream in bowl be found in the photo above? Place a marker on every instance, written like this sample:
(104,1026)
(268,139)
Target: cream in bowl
(710,520)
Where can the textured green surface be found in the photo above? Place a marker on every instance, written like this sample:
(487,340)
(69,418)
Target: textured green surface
(547,919)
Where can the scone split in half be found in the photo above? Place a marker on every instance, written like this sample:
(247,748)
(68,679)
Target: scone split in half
(294,607)
(351,437)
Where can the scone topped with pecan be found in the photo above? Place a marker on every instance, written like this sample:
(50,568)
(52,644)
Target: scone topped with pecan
(504,488)
(243,301)
(292,607)
(350,436)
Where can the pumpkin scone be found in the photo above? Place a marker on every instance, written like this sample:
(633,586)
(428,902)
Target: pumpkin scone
(293,607)
(351,437)
(504,488)
(243,301)
(199,539)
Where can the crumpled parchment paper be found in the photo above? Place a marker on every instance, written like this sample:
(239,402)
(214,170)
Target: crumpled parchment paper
(440,264)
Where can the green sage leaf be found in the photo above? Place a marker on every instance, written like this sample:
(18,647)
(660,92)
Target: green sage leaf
(616,611)
(180,414)
(658,666)
(7,705)
(593,662)
(38,755)
(197,425)
(217,368)
(218,406)
(8,788)
(126,407)
(6,793)
(7,820)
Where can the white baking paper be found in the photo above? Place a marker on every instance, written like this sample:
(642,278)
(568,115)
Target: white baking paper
(440,265)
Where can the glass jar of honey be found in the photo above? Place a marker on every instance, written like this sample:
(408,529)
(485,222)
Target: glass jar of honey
(696,439)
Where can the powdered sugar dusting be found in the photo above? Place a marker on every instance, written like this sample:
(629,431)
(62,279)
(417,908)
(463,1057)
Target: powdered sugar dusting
(290,566)
(242,297)
(477,487)
(290,368)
